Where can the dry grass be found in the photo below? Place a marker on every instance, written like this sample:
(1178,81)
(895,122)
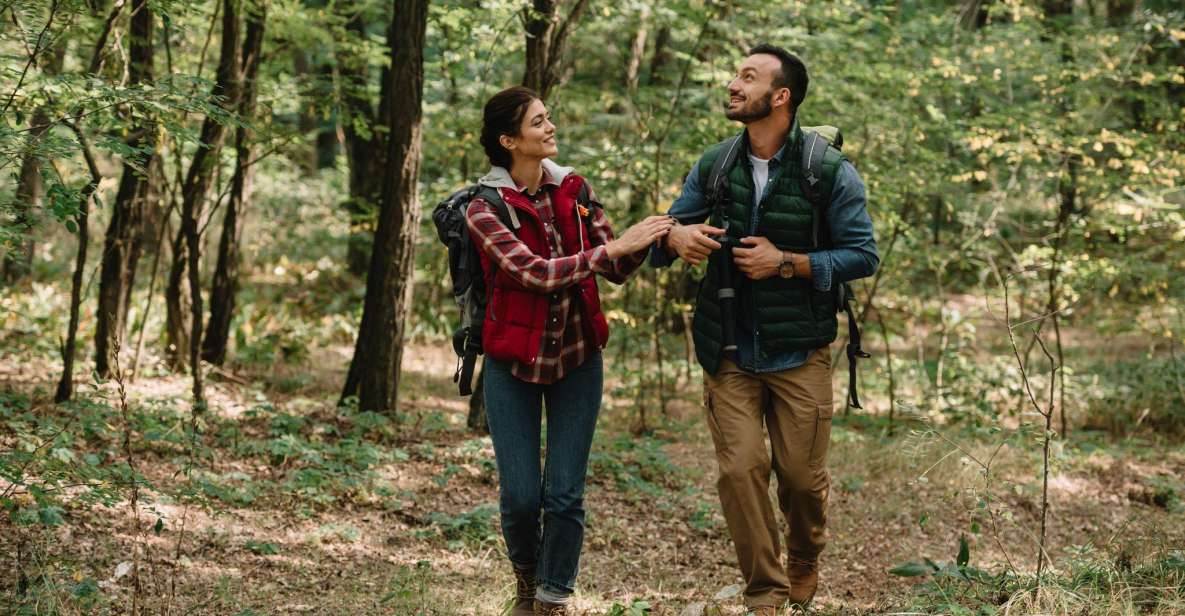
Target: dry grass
(654,534)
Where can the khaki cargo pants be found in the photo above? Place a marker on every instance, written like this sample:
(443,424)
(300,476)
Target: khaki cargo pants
(794,407)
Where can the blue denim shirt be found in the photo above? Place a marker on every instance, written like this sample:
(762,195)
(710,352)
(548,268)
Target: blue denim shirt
(853,254)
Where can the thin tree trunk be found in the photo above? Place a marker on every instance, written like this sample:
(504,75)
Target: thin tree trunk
(1058,13)
(365,150)
(16,265)
(547,38)
(65,389)
(193,196)
(226,273)
(18,262)
(660,57)
(123,243)
(379,348)
(637,49)
(159,244)
(178,310)
(880,319)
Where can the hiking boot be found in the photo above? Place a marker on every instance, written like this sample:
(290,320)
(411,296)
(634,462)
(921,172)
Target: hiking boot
(804,580)
(524,593)
(543,608)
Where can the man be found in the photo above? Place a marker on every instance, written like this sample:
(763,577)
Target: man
(779,375)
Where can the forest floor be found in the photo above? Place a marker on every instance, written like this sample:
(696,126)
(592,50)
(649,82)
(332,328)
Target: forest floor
(299,508)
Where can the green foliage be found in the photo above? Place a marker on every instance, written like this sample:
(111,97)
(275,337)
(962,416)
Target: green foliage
(639,466)
(1090,581)
(475,527)
(636,607)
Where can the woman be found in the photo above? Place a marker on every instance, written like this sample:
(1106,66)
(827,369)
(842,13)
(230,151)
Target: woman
(542,337)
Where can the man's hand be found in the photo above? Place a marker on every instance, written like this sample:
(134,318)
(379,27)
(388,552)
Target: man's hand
(761,260)
(691,242)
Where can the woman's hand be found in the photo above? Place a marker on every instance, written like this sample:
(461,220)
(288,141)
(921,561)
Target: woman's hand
(639,236)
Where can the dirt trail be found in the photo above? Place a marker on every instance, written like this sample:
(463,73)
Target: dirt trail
(428,543)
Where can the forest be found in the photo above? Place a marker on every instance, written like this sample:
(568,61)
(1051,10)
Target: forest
(226,320)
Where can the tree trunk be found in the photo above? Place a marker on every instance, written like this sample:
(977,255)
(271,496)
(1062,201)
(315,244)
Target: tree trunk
(547,36)
(637,49)
(30,190)
(660,57)
(187,253)
(123,243)
(365,150)
(376,365)
(318,73)
(226,273)
(66,384)
(17,263)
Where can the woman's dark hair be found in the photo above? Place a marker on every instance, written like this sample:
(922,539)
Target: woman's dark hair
(503,115)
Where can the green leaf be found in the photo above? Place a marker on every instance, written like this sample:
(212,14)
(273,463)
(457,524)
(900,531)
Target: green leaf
(263,548)
(910,569)
(964,552)
(71,226)
(51,516)
(158,527)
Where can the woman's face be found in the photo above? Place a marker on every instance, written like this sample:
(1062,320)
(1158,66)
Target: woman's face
(536,135)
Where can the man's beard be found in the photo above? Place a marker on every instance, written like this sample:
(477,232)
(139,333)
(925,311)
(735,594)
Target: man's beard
(751,111)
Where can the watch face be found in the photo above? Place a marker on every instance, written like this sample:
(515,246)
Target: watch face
(786,270)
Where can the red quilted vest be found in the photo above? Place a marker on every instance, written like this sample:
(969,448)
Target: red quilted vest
(516,317)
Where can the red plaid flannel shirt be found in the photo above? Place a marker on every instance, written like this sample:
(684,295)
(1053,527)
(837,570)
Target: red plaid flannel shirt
(564,343)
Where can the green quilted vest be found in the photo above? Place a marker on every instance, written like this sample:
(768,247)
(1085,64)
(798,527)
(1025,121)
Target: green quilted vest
(789,314)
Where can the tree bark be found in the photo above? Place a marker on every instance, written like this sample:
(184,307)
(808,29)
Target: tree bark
(65,388)
(658,60)
(123,243)
(30,190)
(375,369)
(16,265)
(226,273)
(637,49)
(366,151)
(187,253)
(547,37)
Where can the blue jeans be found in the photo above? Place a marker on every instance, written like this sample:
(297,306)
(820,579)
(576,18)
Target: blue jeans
(514,408)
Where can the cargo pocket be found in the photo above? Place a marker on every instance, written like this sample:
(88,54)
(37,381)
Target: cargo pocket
(821,439)
(710,414)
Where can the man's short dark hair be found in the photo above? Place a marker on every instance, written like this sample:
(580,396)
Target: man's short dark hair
(793,74)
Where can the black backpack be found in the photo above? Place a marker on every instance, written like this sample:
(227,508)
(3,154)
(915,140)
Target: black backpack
(464,267)
(816,140)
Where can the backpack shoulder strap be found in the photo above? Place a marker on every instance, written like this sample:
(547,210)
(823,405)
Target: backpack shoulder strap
(725,159)
(818,179)
(506,213)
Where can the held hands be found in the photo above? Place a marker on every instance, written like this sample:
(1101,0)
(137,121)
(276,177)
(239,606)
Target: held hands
(691,242)
(639,236)
(760,259)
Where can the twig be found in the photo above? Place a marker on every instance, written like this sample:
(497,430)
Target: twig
(37,49)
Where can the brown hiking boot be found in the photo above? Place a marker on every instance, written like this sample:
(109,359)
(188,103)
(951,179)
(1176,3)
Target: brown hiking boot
(543,608)
(804,580)
(524,593)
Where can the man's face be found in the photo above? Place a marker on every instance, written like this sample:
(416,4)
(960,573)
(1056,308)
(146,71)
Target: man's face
(751,92)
